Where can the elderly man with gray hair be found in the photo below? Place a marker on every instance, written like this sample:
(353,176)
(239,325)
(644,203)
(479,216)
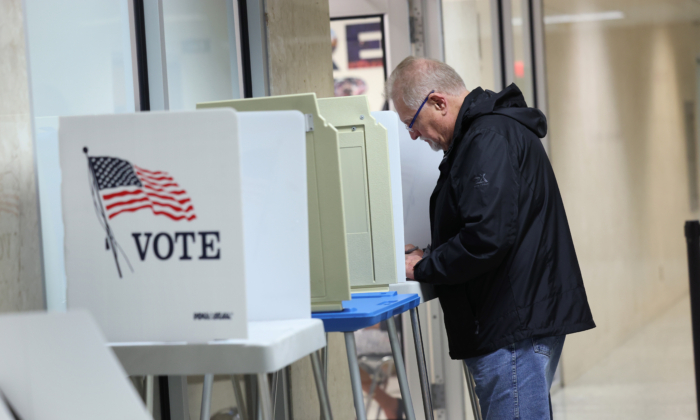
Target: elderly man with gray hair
(502,259)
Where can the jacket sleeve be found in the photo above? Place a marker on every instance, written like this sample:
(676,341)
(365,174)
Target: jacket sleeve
(486,185)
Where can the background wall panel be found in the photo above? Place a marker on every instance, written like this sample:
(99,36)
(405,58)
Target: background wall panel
(617,93)
(21,282)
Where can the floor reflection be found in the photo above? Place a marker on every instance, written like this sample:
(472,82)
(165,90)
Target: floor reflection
(651,376)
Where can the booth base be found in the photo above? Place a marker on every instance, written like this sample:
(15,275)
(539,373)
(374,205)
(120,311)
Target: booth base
(270,346)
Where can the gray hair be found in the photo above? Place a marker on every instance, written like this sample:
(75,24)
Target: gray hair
(415,77)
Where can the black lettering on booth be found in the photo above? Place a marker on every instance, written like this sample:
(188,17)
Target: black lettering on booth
(156,248)
(144,250)
(184,236)
(164,244)
(209,246)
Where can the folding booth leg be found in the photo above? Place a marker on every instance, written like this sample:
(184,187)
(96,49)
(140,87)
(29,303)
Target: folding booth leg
(422,366)
(321,387)
(400,370)
(251,394)
(179,404)
(240,402)
(472,391)
(265,400)
(325,361)
(150,384)
(355,376)
(206,396)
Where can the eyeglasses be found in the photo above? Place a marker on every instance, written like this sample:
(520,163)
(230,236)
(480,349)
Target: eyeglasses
(409,127)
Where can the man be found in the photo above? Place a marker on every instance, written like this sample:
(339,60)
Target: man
(502,260)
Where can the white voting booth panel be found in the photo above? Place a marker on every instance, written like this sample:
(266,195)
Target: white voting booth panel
(153,224)
(390,121)
(57,367)
(419,174)
(275,214)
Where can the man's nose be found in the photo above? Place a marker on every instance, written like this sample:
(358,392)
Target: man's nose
(414,134)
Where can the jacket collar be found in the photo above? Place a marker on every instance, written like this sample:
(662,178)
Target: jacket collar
(459,130)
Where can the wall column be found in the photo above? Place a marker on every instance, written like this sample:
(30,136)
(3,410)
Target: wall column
(299,60)
(21,272)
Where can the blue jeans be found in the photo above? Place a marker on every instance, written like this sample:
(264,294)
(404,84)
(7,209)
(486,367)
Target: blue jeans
(513,382)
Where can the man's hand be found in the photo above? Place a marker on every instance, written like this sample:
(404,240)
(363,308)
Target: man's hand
(412,259)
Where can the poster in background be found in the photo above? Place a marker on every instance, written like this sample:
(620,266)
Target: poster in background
(359,66)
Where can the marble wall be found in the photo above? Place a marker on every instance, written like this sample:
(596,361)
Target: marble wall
(617,94)
(299,47)
(21,276)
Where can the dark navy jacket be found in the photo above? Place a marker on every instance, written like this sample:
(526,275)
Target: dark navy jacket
(503,262)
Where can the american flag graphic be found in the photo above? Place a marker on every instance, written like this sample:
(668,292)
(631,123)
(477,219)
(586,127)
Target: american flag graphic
(126,188)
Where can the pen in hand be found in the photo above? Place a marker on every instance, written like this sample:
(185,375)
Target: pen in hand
(415,248)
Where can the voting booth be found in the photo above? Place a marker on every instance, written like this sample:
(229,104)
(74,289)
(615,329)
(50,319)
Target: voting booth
(57,367)
(186,234)
(153,220)
(360,194)
(367,195)
(226,170)
(327,245)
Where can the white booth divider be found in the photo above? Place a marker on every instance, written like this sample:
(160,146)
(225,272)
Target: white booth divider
(419,175)
(270,280)
(390,121)
(153,218)
(275,214)
(57,366)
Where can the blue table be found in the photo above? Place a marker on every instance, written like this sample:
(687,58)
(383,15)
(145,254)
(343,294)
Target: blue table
(365,310)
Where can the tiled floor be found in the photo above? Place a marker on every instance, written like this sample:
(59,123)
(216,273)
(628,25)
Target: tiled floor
(650,376)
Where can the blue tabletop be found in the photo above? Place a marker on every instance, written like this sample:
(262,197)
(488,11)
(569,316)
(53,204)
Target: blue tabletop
(365,310)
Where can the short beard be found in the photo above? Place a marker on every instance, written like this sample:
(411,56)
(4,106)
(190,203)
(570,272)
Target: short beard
(436,147)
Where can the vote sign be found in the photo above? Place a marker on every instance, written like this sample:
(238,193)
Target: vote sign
(153,224)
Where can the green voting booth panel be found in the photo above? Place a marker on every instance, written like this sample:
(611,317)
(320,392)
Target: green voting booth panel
(369,222)
(327,243)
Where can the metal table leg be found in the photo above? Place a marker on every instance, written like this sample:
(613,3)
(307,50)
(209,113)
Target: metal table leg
(179,404)
(240,401)
(206,396)
(321,387)
(472,391)
(400,370)
(355,376)
(265,400)
(325,361)
(422,366)
(150,384)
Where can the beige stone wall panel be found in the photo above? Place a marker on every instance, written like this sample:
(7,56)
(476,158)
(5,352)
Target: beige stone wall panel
(21,282)
(299,47)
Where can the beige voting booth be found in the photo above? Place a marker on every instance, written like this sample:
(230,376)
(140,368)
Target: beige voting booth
(364,162)
(351,231)
(327,248)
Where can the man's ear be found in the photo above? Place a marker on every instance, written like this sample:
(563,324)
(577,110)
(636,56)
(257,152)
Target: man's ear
(440,103)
